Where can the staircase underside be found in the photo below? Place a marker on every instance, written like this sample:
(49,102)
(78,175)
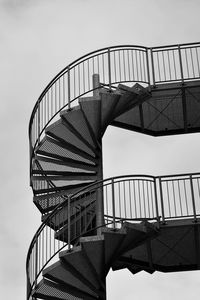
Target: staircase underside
(172,109)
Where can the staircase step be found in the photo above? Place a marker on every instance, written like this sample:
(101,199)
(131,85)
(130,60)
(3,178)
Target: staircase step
(131,97)
(48,163)
(49,290)
(109,101)
(70,189)
(112,241)
(59,273)
(61,132)
(91,108)
(69,176)
(61,217)
(92,245)
(46,200)
(80,223)
(77,263)
(52,148)
(136,234)
(76,122)
(56,174)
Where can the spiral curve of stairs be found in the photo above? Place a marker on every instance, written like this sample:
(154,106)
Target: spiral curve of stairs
(77,243)
(69,157)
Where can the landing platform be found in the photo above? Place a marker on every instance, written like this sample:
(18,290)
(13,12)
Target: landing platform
(174,108)
(175,248)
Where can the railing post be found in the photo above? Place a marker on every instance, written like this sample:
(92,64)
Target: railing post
(38,125)
(193,199)
(156,200)
(69,223)
(161,201)
(181,64)
(36,260)
(152,67)
(148,72)
(69,91)
(96,85)
(113,203)
(109,69)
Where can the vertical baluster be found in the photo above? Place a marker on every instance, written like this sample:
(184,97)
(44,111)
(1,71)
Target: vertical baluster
(186,58)
(174,64)
(193,198)
(103,68)
(139,199)
(156,199)
(192,62)
(113,204)
(169,64)
(181,64)
(84,77)
(148,202)
(115,67)
(130,200)
(124,188)
(36,259)
(186,197)
(153,67)
(163,59)
(132,59)
(136,61)
(148,73)
(197,61)
(69,222)
(135,198)
(68,85)
(179,193)
(161,201)
(169,206)
(174,197)
(88,70)
(144,198)
(124,64)
(63,89)
(129,74)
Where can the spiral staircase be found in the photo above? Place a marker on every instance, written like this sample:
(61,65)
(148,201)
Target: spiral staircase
(84,230)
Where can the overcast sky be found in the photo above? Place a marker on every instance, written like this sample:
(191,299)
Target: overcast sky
(37,39)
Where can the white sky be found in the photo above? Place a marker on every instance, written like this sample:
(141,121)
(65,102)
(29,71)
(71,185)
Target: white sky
(37,39)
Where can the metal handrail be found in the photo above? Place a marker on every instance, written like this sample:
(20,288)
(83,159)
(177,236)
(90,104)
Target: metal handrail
(126,198)
(115,64)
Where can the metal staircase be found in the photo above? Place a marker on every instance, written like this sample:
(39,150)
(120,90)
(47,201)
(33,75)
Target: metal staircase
(89,224)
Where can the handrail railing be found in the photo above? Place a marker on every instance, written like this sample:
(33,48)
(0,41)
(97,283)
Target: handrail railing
(126,198)
(117,64)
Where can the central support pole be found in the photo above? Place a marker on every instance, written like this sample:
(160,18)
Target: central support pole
(99,192)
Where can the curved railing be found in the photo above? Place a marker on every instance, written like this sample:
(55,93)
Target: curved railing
(118,64)
(126,198)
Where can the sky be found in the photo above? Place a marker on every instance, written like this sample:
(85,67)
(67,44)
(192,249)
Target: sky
(38,38)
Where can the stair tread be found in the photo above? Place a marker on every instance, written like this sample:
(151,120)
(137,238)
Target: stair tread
(76,261)
(92,111)
(50,148)
(47,201)
(60,131)
(49,163)
(59,273)
(91,246)
(50,290)
(108,103)
(77,123)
